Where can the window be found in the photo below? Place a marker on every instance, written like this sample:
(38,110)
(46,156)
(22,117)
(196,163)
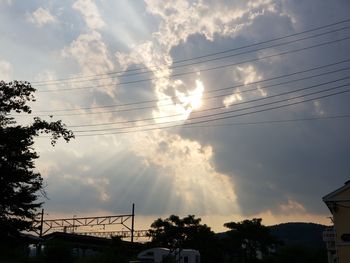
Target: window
(186,259)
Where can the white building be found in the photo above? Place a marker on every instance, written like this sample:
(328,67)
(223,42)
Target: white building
(162,255)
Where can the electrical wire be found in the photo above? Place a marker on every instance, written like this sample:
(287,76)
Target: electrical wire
(207,92)
(204,61)
(219,107)
(201,70)
(220,113)
(202,56)
(213,108)
(212,120)
(343,116)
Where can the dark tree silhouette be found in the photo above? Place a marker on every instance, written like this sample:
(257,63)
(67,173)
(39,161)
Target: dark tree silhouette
(20,184)
(248,238)
(187,232)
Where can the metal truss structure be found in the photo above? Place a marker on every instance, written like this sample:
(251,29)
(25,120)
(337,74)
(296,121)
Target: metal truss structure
(73,224)
(65,224)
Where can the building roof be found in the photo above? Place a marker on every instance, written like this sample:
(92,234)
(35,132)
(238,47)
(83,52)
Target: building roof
(78,239)
(334,196)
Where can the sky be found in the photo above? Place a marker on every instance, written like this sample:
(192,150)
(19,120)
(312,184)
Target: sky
(222,109)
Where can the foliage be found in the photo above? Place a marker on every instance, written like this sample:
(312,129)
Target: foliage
(19,182)
(13,250)
(248,239)
(187,232)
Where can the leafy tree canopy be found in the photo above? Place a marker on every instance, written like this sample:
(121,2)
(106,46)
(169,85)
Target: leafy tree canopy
(172,230)
(20,184)
(187,232)
(248,238)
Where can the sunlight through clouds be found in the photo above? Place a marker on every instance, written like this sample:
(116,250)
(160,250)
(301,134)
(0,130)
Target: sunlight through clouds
(179,108)
(193,99)
(90,12)
(136,67)
(196,184)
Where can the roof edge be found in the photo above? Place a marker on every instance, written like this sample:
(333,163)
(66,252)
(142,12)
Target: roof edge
(337,191)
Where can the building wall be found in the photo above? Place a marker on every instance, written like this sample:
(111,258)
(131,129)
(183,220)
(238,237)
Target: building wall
(341,217)
(344,194)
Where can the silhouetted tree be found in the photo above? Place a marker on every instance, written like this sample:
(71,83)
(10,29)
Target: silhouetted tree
(20,184)
(248,238)
(186,232)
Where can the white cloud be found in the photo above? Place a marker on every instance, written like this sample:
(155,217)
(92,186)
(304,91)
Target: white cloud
(179,20)
(41,17)
(90,12)
(186,161)
(90,52)
(245,75)
(92,55)
(6,70)
(292,207)
(196,184)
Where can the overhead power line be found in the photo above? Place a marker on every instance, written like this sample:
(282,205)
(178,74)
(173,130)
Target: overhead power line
(214,114)
(198,57)
(204,61)
(205,69)
(333,117)
(215,108)
(203,98)
(213,120)
(201,70)
(206,92)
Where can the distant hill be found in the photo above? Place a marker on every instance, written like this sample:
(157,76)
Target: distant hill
(304,234)
(301,234)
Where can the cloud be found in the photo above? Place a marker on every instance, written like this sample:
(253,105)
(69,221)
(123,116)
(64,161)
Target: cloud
(179,20)
(90,52)
(92,55)
(41,17)
(6,70)
(269,170)
(292,207)
(161,173)
(244,75)
(198,187)
(262,162)
(90,12)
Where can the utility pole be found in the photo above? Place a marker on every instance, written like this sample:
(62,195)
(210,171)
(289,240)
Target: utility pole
(132,223)
(38,246)
(42,222)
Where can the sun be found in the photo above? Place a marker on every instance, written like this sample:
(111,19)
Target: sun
(195,96)
(187,102)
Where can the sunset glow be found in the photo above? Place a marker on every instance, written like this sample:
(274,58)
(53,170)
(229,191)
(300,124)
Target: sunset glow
(213,108)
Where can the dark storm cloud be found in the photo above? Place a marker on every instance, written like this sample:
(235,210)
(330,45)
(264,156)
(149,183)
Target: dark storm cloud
(272,163)
(268,164)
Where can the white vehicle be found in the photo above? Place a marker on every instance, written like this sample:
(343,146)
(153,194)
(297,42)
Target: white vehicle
(165,255)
